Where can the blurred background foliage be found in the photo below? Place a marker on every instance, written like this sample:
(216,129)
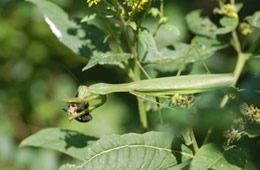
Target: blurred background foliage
(37,72)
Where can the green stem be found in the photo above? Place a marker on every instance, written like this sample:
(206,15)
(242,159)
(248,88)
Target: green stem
(206,139)
(194,141)
(161,16)
(137,73)
(157,98)
(242,58)
(112,32)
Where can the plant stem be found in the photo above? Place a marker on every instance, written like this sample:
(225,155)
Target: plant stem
(205,141)
(111,30)
(194,141)
(242,58)
(137,72)
(161,16)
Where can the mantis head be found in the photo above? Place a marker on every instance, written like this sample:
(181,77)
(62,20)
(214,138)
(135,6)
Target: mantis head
(83,91)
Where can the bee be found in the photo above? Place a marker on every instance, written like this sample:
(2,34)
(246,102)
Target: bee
(81,109)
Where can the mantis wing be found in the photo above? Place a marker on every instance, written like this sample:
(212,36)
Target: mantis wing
(169,85)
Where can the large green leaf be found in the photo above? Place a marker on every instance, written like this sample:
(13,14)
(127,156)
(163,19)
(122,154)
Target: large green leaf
(254,20)
(70,142)
(81,38)
(171,59)
(152,150)
(211,156)
(204,26)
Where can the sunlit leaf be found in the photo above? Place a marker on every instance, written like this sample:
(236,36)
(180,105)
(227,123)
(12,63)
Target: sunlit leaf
(254,19)
(151,150)
(204,26)
(154,12)
(211,156)
(81,38)
(107,58)
(132,25)
(171,59)
(67,141)
(88,18)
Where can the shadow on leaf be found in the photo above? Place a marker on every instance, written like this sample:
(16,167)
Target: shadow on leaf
(76,139)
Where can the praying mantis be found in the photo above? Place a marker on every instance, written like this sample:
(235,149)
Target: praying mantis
(79,107)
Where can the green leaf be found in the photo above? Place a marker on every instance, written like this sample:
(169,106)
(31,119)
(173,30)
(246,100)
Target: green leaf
(67,141)
(171,60)
(81,38)
(204,26)
(88,18)
(173,29)
(252,129)
(254,20)
(154,12)
(228,23)
(253,65)
(238,7)
(68,167)
(151,150)
(132,25)
(199,25)
(211,156)
(107,58)
(181,166)
(149,44)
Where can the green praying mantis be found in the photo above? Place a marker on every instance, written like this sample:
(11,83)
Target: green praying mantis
(79,107)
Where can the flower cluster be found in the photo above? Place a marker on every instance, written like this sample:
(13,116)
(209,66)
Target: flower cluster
(251,113)
(137,5)
(245,28)
(232,136)
(184,101)
(228,10)
(91,2)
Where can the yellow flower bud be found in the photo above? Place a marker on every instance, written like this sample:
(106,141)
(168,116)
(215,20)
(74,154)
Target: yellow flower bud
(91,2)
(230,10)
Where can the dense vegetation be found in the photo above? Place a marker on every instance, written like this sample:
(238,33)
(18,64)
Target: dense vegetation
(211,120)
